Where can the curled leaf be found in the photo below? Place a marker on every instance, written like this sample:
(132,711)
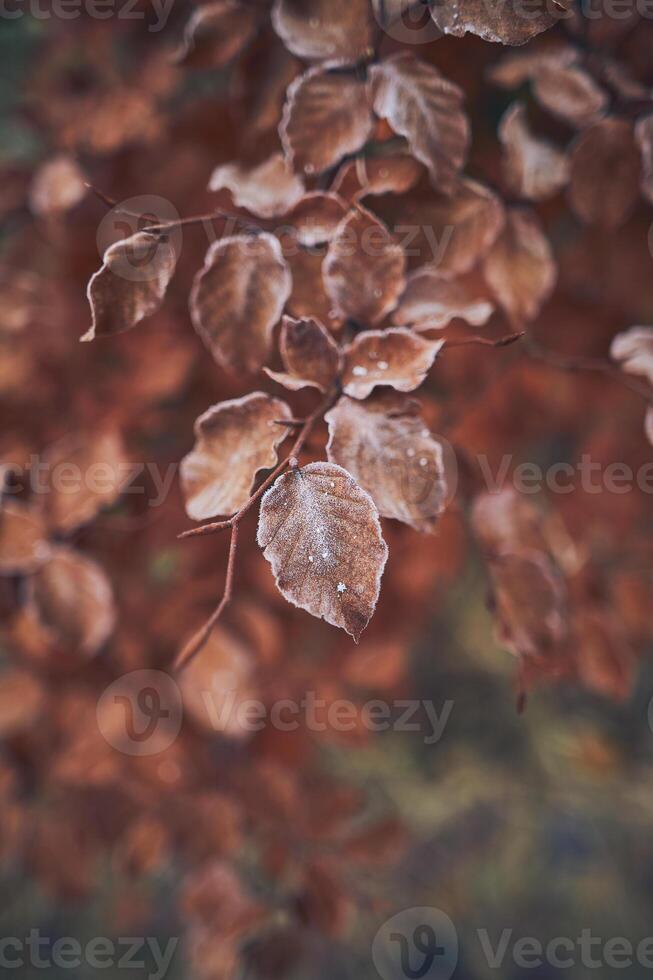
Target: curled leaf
(569,93)
(315,218)
(310,356)
(234,441)
(634,350)
(520,268)
(23,539)
(238,297)
(321,534)
(216,33)
(336,31)
(605,173)
(431,301)
(364,268)
(386,446)
(377,175)
(326,116)
(396,357)
(131,283)
(428,110)
(504,22)
(534,168)
(267,190)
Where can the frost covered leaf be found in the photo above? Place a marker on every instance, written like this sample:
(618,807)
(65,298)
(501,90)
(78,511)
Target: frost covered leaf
(101,471)
(520,269)
(377,175)
(23,539)
(364,268)
(534,168)
(428,110)
(321,534)
(216,33)
(326,116)
(432,301)
(396,357)
(58,185)
(131,283)
(310,356)
(569,93)
(74,601)
(315,218)
(518,67)
(644,137)
(234,441)
(336,31)
(634,350)
(268,190)
(385,445)
(504,22)
(605,174)
(238,297)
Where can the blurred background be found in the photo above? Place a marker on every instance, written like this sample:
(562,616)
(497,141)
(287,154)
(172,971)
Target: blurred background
(281,854)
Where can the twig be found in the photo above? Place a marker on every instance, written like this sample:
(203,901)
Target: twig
(569,363)
(196,643)
(510,338)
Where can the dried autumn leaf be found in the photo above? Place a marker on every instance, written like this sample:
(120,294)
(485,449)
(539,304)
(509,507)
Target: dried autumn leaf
(234,440)
(605,174)
(569,93)
(530,600)
(58,185)
(215,685)
(22,701)
(321,534)
(505,22)
(238,297)
(336,31)
(326,116)
(216,33)
(431,301)
(505,521)
(268,190)
(23,539)
(518,67)
(396,357)
(644,137)
(377,175)
(309,297)
(310,356)
(534,168)
(100,471)
(385,445)
(648,424)
(315,218)
(634,350)
(131,283)
(428,110)
(74,601)
(603,656)
(520,268)
(364,268)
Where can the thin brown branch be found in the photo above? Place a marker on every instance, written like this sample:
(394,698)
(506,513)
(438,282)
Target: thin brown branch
(484,341)
(196,642)
(566,362)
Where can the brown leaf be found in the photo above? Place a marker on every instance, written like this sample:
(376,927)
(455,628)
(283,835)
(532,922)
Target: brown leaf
(310,356)
(336,31)
(315,218)
(74,601)
(518,67)
(569,93)
(23,700)
(238,297)
(385,445)
(364,268)
(268,190)
(85,475)
(644,137)
(603,656)
(534,168)
(431,301)
(396,357)
(216,33)
(131,283)
(321,534)
(505,521)
(23,539)
(634,350)
(215,685)
(648,424)
(309,297)
(605,174)
(58,185)
(520,269)
(377,175)
(326,116)
(530,602)
(428,110)
(234,441)
(504,22)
